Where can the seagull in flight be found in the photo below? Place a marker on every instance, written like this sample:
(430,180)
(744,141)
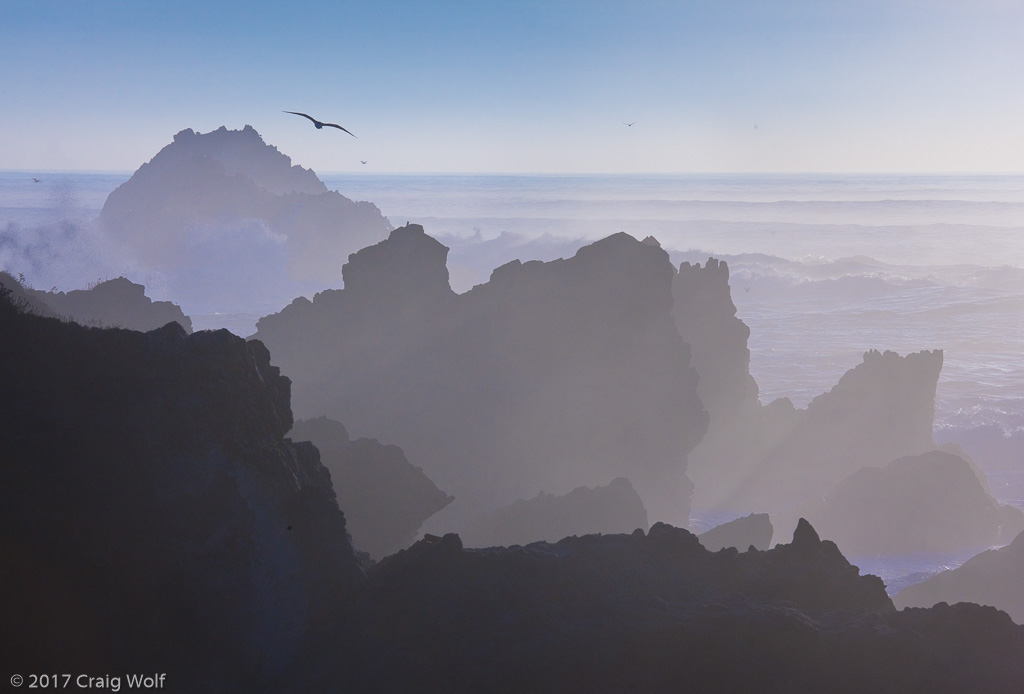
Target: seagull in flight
(629,125)
(361,161)
(319,124)
(36,180)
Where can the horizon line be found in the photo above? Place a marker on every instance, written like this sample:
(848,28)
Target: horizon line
(363,172)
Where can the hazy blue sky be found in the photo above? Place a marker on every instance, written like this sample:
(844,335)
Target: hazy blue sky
(716,85)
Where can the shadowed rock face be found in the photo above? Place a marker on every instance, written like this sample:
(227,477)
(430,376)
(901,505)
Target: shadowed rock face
(154,519)
(549,376)
(116,303)
(657,612)
(754,531)
(879,411)
(203,191)
(992,578)
(776,457)
(614,508)
(927,503)
(152,516)
(384,497)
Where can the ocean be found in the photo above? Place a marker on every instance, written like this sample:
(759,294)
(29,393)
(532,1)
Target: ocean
(823,267)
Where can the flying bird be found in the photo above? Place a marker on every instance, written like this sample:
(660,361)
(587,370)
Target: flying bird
(629,125)
(361,161)
(319,124)
(36,180)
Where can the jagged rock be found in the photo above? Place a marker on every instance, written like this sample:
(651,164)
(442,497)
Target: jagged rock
(659,613)
(548,376)
(927,503)
(993,577)
(153,517)
(738,434)
(777,457)
(384,497)
(879,411)
(613,508)
(116,303)
(754,531)
(227,214)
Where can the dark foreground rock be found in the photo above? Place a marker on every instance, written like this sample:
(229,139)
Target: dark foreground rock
(659,613)
(153,518)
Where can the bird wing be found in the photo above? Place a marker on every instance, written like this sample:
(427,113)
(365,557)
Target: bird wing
(335,125)
(303,115)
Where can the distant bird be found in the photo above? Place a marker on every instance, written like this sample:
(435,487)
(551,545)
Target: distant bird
(746,289)
(36,180)
(319,124)
(361,161)
(629,125)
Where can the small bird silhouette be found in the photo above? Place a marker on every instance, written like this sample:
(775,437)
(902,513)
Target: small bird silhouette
(319,124)
(361,161)
(629,125)
(36,180)
(746,289)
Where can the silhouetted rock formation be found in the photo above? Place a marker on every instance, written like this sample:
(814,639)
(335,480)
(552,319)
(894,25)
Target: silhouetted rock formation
(659,613)
(549,376)
(993,577)
(776,457)
(927,503)
(152,515)
(737,433)
(385,499)
(117,303)
(614,508)
(879,411)
(754,531)
(153,518)
(217,207)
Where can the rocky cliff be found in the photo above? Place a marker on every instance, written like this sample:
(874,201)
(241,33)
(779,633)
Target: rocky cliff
(547,377)
(754,530)
(931,502)
(656,612)
(153,516)
(776,457)
(613,508)
(993,577)
(116,303)
(228,214)
(385,497)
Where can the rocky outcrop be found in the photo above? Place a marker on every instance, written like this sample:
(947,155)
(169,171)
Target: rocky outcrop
(738,430)
(927,503)
(226,214)
(547,377)
(153,518)
(657,612)
(116,303)
(384,497)
(993,577)
(613,508)
(879,411)
(754,530)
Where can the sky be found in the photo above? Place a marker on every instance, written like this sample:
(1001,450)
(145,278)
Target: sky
(522,86)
